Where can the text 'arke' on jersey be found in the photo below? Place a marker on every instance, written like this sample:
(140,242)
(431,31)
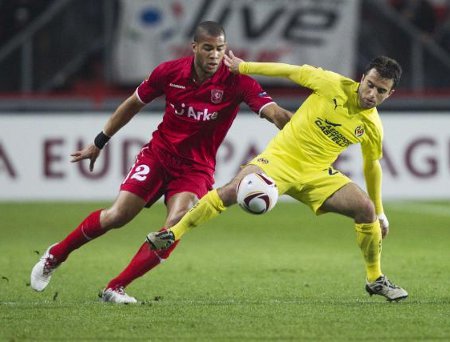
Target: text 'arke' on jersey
(191,112)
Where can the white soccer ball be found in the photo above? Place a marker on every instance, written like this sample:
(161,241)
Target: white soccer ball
(257,193)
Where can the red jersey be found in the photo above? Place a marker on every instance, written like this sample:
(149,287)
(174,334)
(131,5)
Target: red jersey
(197,117)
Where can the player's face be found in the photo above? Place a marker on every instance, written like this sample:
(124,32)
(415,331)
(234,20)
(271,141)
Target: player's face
(208,52)
(374,89)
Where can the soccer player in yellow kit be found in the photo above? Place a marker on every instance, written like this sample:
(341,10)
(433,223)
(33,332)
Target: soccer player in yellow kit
(338,113)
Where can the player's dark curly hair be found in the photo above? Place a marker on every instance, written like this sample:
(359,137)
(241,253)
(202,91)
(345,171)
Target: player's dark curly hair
(210,28)
(387,68)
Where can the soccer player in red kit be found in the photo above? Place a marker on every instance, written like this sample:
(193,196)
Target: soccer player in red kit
(202,101)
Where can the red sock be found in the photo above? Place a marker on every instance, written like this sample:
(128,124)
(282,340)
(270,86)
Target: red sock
(88,230)
(144,260)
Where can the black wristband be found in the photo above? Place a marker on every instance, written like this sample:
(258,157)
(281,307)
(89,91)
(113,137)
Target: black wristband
(101,140)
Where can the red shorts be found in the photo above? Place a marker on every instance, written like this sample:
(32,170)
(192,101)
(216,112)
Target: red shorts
(156,174)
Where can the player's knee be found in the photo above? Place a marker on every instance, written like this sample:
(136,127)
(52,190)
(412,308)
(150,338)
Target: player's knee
(176,217)
(116,218)
(366,211)
(228,194)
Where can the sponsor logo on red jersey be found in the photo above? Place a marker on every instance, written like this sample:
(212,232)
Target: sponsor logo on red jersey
(194,113)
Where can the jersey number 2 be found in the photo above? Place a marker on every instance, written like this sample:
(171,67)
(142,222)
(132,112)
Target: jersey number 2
(140,173)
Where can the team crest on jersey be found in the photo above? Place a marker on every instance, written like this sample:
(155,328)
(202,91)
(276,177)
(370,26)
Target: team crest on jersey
(359,131)
(216,95)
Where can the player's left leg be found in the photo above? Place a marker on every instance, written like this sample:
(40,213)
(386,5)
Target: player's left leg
(353,202)
(146,259)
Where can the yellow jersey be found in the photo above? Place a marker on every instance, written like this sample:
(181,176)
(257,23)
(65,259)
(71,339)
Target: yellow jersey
(326,123)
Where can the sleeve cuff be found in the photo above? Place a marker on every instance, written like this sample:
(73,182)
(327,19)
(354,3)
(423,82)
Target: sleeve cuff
(138,97)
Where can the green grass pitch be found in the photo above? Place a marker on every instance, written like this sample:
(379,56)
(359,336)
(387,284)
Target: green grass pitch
(286,275)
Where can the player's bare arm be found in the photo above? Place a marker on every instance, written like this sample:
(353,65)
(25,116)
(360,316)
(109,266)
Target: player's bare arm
(232,62)
(276,114)
(124,113)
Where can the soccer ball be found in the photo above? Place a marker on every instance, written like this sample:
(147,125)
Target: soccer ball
(257,193)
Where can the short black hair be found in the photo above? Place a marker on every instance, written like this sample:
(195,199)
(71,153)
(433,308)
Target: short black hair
(387,68)
(210,28)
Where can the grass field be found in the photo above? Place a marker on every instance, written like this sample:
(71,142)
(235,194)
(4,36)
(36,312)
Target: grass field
(287,275)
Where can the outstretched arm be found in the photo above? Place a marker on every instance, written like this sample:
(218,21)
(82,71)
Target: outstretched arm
(373,177)
(238,65)
(123,114)
(273,113)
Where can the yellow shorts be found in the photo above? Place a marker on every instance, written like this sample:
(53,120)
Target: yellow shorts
(311,188)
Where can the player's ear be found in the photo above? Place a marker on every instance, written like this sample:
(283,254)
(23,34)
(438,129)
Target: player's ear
(194,46)
(362,78)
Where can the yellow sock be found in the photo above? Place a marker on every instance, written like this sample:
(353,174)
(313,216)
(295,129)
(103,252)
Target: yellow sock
(207,208)
(368,237)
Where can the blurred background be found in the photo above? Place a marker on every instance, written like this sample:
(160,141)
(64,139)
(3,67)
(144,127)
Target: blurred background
(65,65)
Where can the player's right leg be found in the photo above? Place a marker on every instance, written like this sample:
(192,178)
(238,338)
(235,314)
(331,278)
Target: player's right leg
(209,206)
(350,200)
(125,208)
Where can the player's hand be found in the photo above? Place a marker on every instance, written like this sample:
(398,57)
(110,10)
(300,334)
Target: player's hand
(384,223)
(90,152)
(232,62)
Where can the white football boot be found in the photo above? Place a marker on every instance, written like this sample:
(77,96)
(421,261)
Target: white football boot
(117,296)
(383,287)
(43,270)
